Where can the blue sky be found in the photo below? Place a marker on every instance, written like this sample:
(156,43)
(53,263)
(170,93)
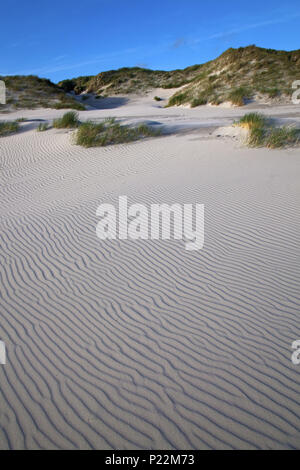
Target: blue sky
(65,39)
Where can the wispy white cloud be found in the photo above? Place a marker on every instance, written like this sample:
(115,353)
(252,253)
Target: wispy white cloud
(53,67)
(61,64)
(247,27)
(59,58)
(178,43)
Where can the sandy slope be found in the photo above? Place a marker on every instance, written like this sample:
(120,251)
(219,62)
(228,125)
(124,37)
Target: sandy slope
(143,344)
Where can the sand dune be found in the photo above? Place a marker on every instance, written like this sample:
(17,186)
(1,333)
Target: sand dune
(142,344)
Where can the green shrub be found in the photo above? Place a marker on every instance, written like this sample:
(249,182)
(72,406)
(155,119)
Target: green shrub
(69,120)
(157,98)
(8,127)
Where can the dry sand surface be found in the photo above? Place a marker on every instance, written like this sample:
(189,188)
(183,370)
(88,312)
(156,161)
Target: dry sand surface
(142,344)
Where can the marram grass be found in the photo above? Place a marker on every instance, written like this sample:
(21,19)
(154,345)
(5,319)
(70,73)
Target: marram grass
(109,132)
(263,134)
(8,127)
(68,120)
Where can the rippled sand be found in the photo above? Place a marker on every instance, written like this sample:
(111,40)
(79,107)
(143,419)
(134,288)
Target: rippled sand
(142,344)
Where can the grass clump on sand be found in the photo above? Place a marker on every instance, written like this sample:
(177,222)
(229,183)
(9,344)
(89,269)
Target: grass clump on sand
(42,127)
(177,99)
(157,98)
(68,120)
(89,134)
(255,123)
(67,105)
(282,137)
(263,134)
(251,120)
(238,96)
(256,136)
(109,132)
(8,127)
(198,102)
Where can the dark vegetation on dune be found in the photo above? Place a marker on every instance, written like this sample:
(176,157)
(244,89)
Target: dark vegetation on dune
(8,127)
(237,76)
(31,92)
(129,80)
(240,75)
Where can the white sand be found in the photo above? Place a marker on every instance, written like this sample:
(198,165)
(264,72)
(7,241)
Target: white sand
(142,344)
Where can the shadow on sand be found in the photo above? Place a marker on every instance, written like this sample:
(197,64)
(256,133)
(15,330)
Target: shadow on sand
(106,103)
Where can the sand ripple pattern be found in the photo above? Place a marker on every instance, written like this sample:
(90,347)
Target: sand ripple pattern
(143,345)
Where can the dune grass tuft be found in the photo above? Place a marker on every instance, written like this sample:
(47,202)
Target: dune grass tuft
(109,132)
(257,136)
(282,137)
(89,134)
(8,127)
(263,134)
(68,120)
(238,96)
(67,105)
(42,127)
(252,120)
(177,99)
(198,102)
